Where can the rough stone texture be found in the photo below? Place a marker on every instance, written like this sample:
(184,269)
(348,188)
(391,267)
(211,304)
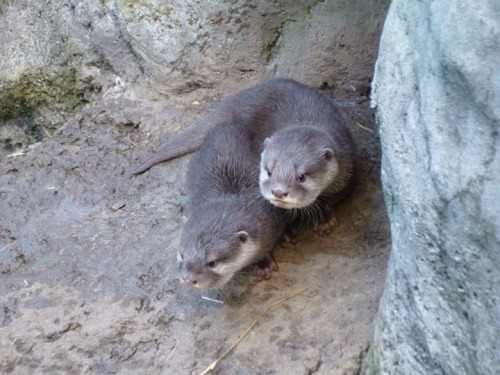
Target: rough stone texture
(437,95)
(88,276)
(340,35)
(79,52)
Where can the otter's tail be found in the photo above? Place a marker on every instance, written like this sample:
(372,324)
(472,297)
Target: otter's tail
(178,145)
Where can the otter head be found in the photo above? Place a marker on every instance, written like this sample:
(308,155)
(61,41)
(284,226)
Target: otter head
(215,245)
(297,164)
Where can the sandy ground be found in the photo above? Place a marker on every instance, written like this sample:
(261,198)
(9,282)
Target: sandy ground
(88,267)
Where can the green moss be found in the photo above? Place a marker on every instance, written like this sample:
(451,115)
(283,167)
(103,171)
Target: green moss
(370,362)
(144,9)
(56,91)
(274,34)
(59,90)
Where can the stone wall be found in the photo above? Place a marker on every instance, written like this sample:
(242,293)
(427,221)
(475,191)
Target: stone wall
(437,96)
(58,56)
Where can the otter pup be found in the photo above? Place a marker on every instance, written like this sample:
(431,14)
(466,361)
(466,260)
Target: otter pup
(230,226)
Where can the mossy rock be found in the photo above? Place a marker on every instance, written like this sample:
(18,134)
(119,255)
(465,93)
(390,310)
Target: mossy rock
(59,90)
(370,365)
(21,101)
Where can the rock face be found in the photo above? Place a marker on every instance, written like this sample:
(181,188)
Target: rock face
(437,95)
(60,55)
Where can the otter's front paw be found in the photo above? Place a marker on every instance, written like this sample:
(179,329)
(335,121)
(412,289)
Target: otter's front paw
(289,238)
(264,267)
(324,228)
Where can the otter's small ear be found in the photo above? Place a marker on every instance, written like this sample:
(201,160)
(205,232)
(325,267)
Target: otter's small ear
(328,154)
(242,236)
(267,141)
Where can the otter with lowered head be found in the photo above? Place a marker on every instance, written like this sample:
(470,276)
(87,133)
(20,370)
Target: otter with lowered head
(230,226)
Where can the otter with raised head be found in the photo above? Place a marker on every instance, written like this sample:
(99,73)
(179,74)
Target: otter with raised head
(230,226)
(306,165)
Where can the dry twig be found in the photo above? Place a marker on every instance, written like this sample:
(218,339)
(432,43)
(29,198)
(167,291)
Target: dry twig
(173,350)
(214,363)
(7,246)
(364,127)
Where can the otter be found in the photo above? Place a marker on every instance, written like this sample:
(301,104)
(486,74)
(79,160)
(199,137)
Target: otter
(230,226)
(306,164)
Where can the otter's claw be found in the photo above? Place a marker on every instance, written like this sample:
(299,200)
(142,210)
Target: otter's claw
(264,267)
(289,238)
(325,228)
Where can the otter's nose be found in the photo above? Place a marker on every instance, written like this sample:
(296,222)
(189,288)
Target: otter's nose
(188,281)
(278,193)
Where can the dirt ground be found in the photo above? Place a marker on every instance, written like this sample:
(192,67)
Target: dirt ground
(88,262)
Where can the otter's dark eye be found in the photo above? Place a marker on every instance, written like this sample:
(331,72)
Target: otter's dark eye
(211,264)
(268,172)
(301,178)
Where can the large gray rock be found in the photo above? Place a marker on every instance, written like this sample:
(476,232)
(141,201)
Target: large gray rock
(437,95)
